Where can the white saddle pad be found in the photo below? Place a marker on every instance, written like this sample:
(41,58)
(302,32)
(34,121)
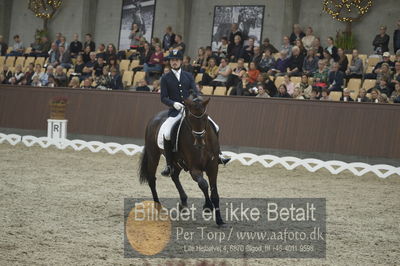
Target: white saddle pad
(165,130)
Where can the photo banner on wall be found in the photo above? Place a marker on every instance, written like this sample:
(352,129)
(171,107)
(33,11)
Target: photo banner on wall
(249,19)
(140,12)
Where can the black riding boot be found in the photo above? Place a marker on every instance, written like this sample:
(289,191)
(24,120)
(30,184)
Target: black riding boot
(221,158)
(168,157)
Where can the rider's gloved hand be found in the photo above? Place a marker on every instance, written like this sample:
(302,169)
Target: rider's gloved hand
(178,106)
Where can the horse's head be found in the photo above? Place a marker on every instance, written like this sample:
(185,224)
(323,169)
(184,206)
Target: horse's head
(197,118)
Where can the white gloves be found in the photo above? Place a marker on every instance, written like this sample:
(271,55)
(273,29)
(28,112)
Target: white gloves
(178,106)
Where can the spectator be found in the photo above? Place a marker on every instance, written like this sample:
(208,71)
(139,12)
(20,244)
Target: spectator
(186,66)
(222,74)
(374,95)
(362,96)
(64,58)
(200,60)
(355,69)
(396,75)
(60,77)
(381,41)
(384,73)
(253,72)
(116,80)
(113,63)
(321,75)
(295,67)
(179,44)
(35,82)
(303,50)
(89,66)
(235,48)
(262,93)
(29,74)
(315,94)
(328,59)
(89,43)
(223,48)
(242,88)
(63,42)
(76,46)
(74,83)
(282,92)
(297,94)
(155,62)
(288,84)
(383,98)
(87,84)
(286,46)
(142,86)
(101,51)
(247,51)
(383,87)
(36,46)
(18,47)
(98,66)
(111,52)
(37,72)
(336,78)
(377,68)
(304,86)
(154,42)
(319,50)
(52,83)
(79,65)
(281,64)
(342,60)
(54,55)
(104,81)
(346,96)
(332,49)
(3,46)
(135,36)
(57,39)
(308,40)
(396,93)
(297,34)
(145,56)
(257,55)
(7,73)
(396,38)
(267,62)
(86,54)
(211,72)
(156,86)
(18,75)
(268,46)
(235,32)
(310,64)
(168,39)
(237,74)
(325,95)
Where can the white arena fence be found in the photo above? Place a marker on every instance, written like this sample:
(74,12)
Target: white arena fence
(247,159)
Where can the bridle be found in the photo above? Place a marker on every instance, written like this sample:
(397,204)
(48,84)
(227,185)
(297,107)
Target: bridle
(197,134)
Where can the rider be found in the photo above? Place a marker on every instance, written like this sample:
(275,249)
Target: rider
(176,86)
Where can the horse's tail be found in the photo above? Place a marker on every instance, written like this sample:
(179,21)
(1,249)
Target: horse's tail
(143,168)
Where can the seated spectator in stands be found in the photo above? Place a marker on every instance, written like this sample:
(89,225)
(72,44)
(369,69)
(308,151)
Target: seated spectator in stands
(135,36)
(374,95)
(315,94)
(18,75)
(396,92)
(103,82)
(396,38)
(319,50)
(383,87)
(336,78)
(2,79)
(37,71)
(282,92)
(186,66)
(346,97)
(223,48)
(383,98)
(242,87)
(155,62)
(179,44)
(7,73)
(310,64)
(29,74)
(356,67)
(253,72)
(384,73)
(101,51)
(76,46)
(156,86)
(64,57)
(223,73)
(235,32)
(18,47)
(332,49)
(308,40)
(297,94)
(54,55)
(325,95)
(142,86)
(63,42)
(74,83)
(199,61)
(286,46)
(60,77)
(167,69)
(237,74)
(297,34)
(362,96)
(57,39)
(381,41)
(145,56)
(113,62)
(289,84)
(98,66)
(300,45)
(304,86)
(86,54)
(87,84)
(45,47)
(268,46)
(116,80)
(261,92)
(235,49)
(281,64)
(168,39)
(342,60)
(377,68)
(257,55)
(51,82)
(295,67)
(269,85)
(110,53)
(211,72)
(89,66)
(89,43)
(267,61)
(247,51)
(79,65)
(396,74)
(207,55)
(3,46)
(328,59)
(12,81)
(35,82)
(36,46)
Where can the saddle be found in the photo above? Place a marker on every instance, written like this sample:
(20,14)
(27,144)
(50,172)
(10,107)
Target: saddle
(175,130)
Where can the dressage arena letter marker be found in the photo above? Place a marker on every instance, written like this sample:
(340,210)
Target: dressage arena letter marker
(57,129)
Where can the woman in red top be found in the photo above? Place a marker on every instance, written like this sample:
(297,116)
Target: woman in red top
(253,72)
(156,61)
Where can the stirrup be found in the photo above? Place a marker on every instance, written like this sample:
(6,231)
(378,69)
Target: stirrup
(167,171)
(223,160)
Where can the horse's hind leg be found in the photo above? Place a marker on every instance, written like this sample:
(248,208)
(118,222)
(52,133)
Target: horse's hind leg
(182,194)
(212,173)
(152,169)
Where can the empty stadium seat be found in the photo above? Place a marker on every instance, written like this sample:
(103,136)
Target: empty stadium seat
(135,63)
(10,61)
(199,77)
(2,60)
(369,83)
(207,90)
(354,85)
(279,80)
(233,65)
(127,78)
(20,61)
(369,69)
(220,91)
(296,80)
(40,61)
(335,96)
(372,61)
(124,65)
(29,60)
(140,75)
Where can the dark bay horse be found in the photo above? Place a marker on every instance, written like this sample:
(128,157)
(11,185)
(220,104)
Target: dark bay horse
(198,151)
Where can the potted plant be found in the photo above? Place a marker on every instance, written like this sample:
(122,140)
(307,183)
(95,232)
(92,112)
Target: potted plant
(58,106)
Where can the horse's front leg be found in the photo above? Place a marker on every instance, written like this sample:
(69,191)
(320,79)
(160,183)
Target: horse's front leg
(197,176)
(212,173)
(182,194)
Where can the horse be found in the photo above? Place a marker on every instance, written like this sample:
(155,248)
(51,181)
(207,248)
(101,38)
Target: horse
(198,151)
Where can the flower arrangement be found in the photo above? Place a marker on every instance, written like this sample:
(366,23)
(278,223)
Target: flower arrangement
(58,106)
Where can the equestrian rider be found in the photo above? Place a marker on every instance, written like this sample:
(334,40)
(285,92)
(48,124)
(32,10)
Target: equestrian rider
(176,86)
